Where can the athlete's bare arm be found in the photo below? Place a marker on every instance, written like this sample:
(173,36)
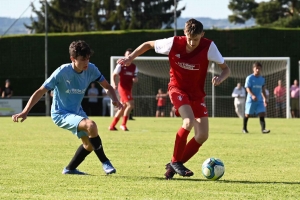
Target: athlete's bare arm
(137,52)
(263,93)
(111,93)
(251,93)
(114,81)
(135,79)
(217,80)
(35,97)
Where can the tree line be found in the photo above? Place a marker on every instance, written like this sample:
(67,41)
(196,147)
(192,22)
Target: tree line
(274,13)
(98,15)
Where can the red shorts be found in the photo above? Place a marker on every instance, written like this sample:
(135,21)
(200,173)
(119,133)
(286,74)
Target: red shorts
(125,96)
(179,98)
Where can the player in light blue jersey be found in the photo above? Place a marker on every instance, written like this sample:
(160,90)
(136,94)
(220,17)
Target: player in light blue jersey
(256,101)
(69,83)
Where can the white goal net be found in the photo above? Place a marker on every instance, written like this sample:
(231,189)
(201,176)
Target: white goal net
(154,74)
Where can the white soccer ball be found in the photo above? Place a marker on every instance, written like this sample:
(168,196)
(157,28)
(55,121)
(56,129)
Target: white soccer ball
(213,168)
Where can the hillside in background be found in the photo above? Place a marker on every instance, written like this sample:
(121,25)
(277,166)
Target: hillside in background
(19,28)
(209,23)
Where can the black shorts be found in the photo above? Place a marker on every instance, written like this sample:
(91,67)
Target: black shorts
(160,108)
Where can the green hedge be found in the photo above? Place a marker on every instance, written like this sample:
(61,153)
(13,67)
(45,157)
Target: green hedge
(22,57)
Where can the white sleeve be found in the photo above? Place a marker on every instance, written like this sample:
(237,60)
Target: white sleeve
(136,71)
(234,93)
(214,54)
(163,46)
(267,92)
(117,69)
(243,92)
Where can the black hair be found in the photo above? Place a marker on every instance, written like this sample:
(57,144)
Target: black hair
(257,64)
(80,48)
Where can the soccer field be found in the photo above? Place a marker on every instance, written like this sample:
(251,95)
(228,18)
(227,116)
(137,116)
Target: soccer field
(257,166)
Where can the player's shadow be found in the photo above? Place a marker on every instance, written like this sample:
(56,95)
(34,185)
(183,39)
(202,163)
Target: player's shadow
(138,178)
(230,181)
(259,182)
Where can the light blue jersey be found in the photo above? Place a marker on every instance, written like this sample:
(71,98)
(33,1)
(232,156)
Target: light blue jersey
(69,89)
(255,84)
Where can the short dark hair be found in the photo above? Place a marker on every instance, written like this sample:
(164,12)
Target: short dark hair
(257,64)
(80,48)
(193,27)
(129,49)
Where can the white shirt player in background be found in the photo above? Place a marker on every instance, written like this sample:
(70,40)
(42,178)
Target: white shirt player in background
(93,94)
(105,103)
(239,95)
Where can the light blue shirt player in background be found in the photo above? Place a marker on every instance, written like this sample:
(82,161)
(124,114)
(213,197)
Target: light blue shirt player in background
(69,83)
(256,101)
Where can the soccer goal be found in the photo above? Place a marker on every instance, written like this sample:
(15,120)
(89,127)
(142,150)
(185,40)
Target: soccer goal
(154,74)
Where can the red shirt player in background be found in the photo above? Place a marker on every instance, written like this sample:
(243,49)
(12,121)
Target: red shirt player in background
(280,94)
(161,103)
(127,76)
(189,57)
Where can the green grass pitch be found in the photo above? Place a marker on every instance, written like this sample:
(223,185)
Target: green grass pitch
(257,166)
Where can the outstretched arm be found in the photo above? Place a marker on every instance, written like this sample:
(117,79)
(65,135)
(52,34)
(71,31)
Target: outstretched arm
(217,80)
(111,93)
(35,97)
(137,52)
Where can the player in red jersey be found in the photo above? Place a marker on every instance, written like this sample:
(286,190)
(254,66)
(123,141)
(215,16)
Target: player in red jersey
(127,76)
(161,103)
(189,57)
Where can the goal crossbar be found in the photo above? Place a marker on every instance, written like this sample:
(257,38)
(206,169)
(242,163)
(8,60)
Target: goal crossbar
(285,66)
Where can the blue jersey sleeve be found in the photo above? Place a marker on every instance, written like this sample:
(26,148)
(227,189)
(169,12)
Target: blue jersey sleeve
(248,82)
(96,74)
(263,81)
(50,83)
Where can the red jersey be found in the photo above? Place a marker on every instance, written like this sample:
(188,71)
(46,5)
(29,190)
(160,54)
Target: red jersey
(188,70)
(126,74)
(161,101)
(279,93)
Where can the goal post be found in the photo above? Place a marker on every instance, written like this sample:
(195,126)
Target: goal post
(273,70)
(154,74)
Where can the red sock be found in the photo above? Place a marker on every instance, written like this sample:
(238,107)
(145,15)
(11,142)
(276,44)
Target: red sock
(190,150)
(180,143)
(125,118)
(114,122)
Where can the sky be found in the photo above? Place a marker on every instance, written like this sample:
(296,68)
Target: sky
(215,9)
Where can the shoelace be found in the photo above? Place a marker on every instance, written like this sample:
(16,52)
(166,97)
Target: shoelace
(107,165)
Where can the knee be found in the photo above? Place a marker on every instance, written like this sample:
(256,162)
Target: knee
(124,106)
(187,123)
(91,128)
(201,138)
(130,105)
